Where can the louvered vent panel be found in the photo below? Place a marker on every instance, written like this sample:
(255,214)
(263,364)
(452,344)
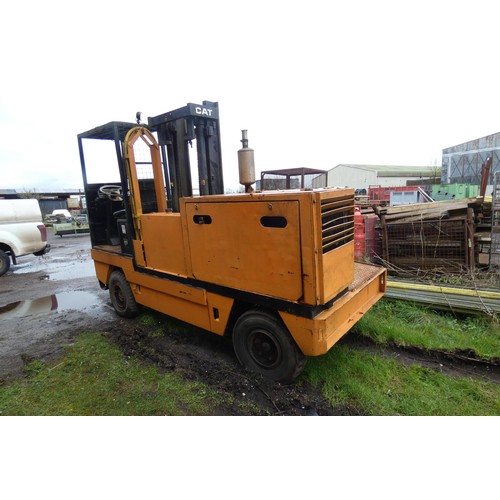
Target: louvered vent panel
(337,222)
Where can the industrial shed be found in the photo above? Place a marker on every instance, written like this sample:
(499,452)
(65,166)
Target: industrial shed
(48,200)
(364,176)
(462,163)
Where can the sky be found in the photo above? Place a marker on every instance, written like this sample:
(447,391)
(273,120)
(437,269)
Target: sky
(315,83)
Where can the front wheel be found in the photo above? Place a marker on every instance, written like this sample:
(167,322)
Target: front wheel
(4,262)
(121,295)
(263,345)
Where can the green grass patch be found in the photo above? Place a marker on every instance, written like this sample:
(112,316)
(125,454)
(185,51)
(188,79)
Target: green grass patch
(150,320)
(375,385)
(95,378)
(405,323)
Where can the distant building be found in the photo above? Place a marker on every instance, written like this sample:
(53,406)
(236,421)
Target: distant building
(462,163)
(8,194)
(364,176)
(49,200)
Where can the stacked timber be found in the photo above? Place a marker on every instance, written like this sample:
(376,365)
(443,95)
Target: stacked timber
(434,236)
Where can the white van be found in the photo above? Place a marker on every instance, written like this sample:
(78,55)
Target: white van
(21,231)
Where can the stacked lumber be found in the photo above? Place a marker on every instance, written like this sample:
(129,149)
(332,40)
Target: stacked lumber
(431,236)
(448,209)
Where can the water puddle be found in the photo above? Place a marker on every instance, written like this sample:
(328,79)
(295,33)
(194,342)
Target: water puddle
(65,301)
(59,269)
(58,266)
(83,269)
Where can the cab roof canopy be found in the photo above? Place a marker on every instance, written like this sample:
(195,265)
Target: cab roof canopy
(109,131)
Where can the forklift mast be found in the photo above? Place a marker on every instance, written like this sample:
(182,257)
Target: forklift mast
(176,131)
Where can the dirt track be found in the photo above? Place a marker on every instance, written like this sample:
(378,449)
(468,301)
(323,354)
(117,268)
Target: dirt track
(46,301)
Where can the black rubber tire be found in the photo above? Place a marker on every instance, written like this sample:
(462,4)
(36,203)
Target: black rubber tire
(121,295)
(4,262)
(263,345)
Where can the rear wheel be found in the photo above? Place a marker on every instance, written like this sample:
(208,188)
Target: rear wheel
(121,295)
(263,345)
(4,262)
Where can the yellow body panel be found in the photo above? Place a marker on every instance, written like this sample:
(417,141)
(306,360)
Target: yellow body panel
(235,250)
(220,309)
(163,243)
(337,272)
(317,335)
(139,253)
(177,304)
(185,302)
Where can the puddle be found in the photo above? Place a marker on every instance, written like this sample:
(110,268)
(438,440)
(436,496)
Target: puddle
(84,269)
(57,269)
(65,301)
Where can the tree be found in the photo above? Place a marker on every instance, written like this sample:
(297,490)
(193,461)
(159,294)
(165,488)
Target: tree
(27,193)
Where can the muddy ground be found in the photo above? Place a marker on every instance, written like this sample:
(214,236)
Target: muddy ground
(46,301)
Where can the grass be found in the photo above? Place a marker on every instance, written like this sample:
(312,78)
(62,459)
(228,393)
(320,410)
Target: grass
(149,319)
(405,324)
(373,385)
(94,378)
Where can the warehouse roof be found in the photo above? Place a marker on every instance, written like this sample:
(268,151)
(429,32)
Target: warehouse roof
(42,193)
(395,170)
(483,143)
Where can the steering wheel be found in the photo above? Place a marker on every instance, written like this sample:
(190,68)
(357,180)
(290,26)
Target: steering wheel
(110,191)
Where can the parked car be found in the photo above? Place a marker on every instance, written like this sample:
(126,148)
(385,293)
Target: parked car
(22,231)
(62,213)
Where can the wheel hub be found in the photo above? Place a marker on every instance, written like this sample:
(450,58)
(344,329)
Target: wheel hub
(264,350)
(120,299)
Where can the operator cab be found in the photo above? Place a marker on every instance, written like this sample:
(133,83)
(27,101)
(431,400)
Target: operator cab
(158,178)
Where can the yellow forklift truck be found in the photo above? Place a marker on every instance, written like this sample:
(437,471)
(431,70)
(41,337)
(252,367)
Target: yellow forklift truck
(274,270)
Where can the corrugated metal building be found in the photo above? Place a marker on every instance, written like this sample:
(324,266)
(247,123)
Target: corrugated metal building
(364,176)
(462,163)
(8,194)
(49,201)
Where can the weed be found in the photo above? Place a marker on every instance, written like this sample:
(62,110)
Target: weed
(156,333)
(148,319)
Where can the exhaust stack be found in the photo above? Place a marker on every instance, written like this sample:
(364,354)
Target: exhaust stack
(246,163)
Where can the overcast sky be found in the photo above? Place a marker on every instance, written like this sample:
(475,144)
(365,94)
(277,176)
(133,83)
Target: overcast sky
(316,83)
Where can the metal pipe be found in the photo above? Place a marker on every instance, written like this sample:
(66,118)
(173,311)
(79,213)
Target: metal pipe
(455,299)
